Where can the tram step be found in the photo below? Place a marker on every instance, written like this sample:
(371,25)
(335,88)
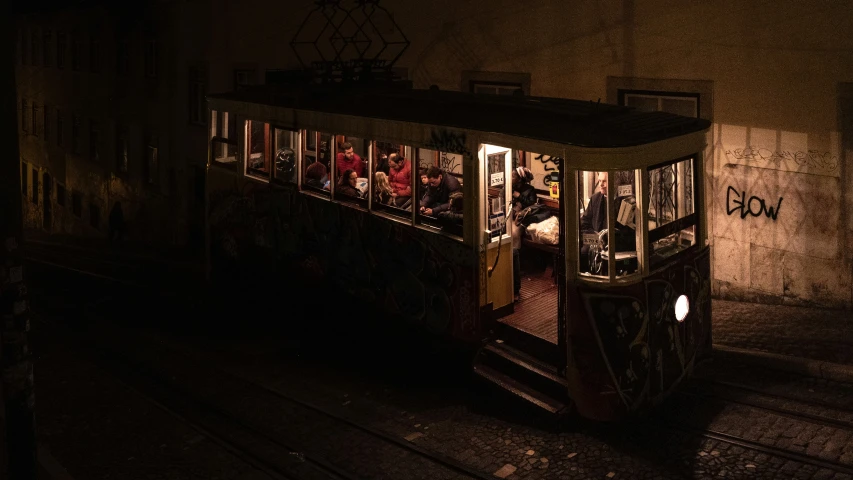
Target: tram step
(525,368)
(525,392)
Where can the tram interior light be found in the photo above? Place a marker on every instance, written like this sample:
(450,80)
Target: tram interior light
(682,307)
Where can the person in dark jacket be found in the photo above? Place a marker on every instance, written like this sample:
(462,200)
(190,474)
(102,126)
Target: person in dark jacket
(346,185)
(523,193)
(523,196)
(441,185)
(594,218)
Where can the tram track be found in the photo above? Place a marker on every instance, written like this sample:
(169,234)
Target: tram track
(759,446)
(247,438)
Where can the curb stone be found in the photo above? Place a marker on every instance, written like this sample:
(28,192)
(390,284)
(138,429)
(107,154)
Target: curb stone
(804,366)
(50,465)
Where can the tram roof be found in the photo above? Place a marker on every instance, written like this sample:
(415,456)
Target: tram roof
(565,121)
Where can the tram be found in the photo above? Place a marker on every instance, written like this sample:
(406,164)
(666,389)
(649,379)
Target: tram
(591,296)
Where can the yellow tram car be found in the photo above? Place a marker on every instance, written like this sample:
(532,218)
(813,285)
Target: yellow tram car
(425,205)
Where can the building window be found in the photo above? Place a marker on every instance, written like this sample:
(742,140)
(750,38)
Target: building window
(25,107)
(151,58)
(60,194)
(121,149)
(244,78)
(75,52)
(496,83)
(59,128)
(46,123)
(686,104)
(94,54)
(25,169)
(75,134)
(496,88)
(151,161)
(61,46)
(35,190)
(122,49)
(77,204)
(94,141)
(48,41)
(35,47)
(34,119)
(197,103)
(94,215)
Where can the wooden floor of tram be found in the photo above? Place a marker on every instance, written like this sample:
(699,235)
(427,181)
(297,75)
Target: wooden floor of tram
(536,311)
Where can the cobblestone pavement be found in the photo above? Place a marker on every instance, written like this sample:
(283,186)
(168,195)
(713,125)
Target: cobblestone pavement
(814,333)
(403,390)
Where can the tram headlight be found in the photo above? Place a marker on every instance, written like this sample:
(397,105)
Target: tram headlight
(682,307)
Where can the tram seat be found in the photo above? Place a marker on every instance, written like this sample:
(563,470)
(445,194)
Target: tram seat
(552,250)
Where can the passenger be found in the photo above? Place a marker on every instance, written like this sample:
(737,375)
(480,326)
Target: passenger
(523,193)
(382,191)
(316,174)
(401,179)
(455,213)
(382,164)
(347,159)
(441,185)
(523,196)
(346,185)
(594,218)
(424,185)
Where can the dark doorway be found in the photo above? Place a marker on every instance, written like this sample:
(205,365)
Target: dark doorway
(46,184)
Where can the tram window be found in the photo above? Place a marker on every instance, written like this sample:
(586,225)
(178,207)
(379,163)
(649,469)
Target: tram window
(671,217)
(257,149)
(592,228)
(223,152)
(441,205)
(284,146)
(623,185)
(351,165)
(316,158)
(392,178)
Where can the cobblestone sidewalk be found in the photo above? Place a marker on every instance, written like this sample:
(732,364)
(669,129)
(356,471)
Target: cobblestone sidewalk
(809,333)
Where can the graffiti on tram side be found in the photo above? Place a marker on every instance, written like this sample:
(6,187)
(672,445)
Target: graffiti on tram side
(824,162)
(645,349)
(755,206)
(424,279)
(451,141)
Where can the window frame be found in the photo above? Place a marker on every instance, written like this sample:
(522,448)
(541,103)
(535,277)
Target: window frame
(61,47)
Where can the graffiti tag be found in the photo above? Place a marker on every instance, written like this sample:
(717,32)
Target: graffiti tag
(550,164)
(755,206)
(448,141)
(810,159)
(450,163)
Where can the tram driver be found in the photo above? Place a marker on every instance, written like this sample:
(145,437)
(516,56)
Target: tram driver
(437,197)
(594,218)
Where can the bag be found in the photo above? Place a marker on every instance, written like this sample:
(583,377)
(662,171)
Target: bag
(546,232)
(533,214)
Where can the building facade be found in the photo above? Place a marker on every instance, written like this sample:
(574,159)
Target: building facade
(106,119)
(775,80)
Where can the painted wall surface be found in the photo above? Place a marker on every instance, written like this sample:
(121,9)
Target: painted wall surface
(773,79)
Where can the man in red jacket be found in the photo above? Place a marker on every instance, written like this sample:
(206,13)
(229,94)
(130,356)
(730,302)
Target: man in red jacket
(400,176)
(347,159)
